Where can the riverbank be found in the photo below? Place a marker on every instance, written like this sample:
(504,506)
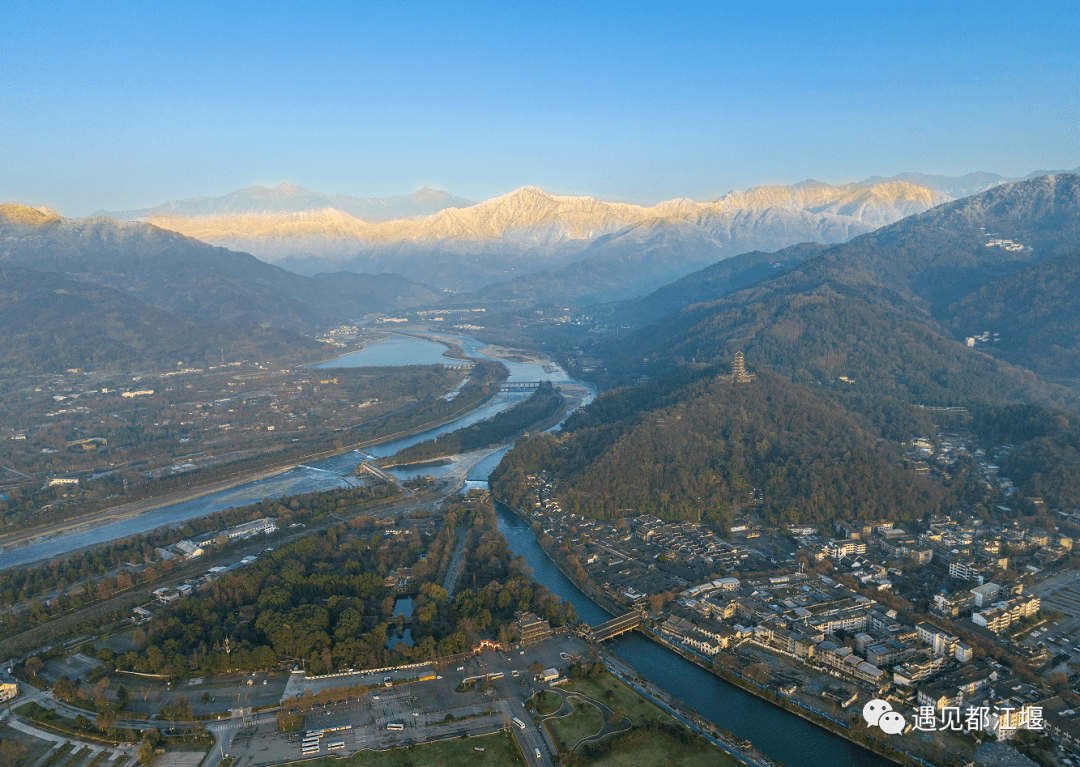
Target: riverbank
(772,698)
(572,396)
(123,512)
(871,744)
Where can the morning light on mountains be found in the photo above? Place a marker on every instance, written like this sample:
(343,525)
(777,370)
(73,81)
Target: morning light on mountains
(404,384)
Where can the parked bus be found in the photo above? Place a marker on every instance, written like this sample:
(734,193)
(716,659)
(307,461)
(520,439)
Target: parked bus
(335,745)
(395,726)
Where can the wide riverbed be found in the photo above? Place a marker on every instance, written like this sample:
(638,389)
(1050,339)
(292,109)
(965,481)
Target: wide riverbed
(397,350)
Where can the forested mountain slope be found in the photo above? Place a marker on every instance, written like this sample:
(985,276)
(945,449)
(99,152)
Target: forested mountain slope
(710,283)
(51,324)
(1032,316)
(697,446)
(191,278)
(949,251)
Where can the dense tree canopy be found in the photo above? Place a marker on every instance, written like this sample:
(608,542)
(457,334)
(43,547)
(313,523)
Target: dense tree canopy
(323,601)
(697,446)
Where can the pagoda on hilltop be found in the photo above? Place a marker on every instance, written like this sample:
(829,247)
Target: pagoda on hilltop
(738,370)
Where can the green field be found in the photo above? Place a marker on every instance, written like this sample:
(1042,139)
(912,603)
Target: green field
(583,723)
(499,749)
(547,702)
(623,699)
(658,748)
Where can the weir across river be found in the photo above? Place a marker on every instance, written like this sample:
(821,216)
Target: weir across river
(519,385)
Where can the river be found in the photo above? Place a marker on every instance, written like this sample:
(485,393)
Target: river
(773,731)
(324,474)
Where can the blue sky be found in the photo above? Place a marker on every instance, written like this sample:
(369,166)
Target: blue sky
(120,105)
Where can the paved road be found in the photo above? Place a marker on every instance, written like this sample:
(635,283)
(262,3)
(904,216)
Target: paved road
(455,561)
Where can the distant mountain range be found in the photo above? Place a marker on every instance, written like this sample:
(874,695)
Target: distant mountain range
(628,249)
(962,186)
(287,199)
(192,279)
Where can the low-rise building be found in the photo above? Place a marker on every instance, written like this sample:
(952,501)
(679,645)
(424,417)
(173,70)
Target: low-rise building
(189,549)
(941,642)
(1003,614)
(846,548)
(954,605)
(986,594)
(265,525)
(548,675)
(140,614)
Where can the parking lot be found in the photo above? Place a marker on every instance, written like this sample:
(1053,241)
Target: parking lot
(429,710)
(1060,593)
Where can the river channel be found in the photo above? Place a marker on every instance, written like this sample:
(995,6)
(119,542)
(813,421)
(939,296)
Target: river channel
(773,731)
(324,474)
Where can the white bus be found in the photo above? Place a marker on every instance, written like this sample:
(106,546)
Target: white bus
(335,745)
(395,726)
(520,724)
(310,749)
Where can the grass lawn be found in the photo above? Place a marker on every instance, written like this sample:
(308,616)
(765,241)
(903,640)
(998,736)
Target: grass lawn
(584,722)
(661,749)
(499,750)
(548,702)
(58,754)
(102,755)
(626,701)
(76,756)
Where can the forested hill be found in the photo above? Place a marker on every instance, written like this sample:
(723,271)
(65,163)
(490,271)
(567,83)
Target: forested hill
(51,324)
(847,343)
(695,446)
(710,283)
(1032,318)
